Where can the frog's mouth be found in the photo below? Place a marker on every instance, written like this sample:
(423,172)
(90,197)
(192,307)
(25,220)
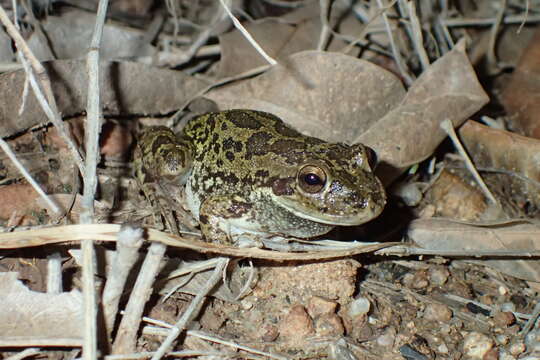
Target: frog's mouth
(337,219)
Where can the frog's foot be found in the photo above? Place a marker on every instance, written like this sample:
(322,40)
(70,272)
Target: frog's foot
(226,220)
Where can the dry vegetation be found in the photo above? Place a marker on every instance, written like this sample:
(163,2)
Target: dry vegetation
(446,93)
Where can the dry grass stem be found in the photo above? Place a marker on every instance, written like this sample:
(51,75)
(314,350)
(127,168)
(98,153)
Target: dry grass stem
(415,32)
(395,51)
(532,321)
(50,203)
(491,57)
(247,35)
(507,20)
(30,352)
(192,310)
(400,250)
(126,337)
(447,126)
(91,135)
(159,331)
(49,106)
(54,273)
(127,253)
(177,58)
(324,6)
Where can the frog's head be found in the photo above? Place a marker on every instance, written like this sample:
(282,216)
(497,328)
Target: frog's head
(333,184)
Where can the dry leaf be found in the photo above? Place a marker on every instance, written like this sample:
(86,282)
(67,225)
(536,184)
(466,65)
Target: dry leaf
(126,88)
(276,38)
(118,42)
(31,318)
(521,97)
(408,134)
(503,150)
(328,95)
(446,235)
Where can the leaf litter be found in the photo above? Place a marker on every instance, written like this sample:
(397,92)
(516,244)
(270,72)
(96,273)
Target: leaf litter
(463,282)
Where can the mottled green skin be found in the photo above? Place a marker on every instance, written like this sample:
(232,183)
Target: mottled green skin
(242,176)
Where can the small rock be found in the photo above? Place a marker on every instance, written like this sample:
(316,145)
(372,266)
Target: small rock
(532,340)
(492,354)
(329,325)
(296,325)
(269,332)
(438,275)
(318,305)
(476,345)
(517,348)
(508,306)
(502,339)
(387,338)
(359,306)
(437,312)
(503,319)
(420,280)
(442,349)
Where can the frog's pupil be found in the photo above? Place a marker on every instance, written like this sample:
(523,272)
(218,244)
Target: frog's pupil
(312,179)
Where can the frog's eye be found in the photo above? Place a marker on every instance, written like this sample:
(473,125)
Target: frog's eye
(311,179)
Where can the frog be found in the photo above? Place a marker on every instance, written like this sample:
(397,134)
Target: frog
(248,173)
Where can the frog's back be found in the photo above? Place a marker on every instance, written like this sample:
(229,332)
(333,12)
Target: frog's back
(233,127)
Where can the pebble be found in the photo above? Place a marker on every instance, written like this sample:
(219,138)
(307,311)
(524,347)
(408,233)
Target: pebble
(476,345)
(359,306)
(329,325)
(296,325)
(387,338)
(438,275)
(318,305)
(437,312)
(517,348)
(504,319)
(532,340)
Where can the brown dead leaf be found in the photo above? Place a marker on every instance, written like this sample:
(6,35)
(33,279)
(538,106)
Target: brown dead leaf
(126,88)
(503,150)
(19,198)
(521,97)
(281,37)
(32,318)
(276,38)
(328,95)
(446,235)
(118,42)
(409,133)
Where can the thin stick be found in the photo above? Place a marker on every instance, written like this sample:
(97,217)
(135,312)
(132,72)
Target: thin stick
(247,35)
(416,34)
(510,19)
(192,310)
(50,203)
(325,30)
(127,252)
(176,59)
(447,126)
(126,337)
(49,107)
(92,130)
(395,51)
(24,354)
(532,320)
(202,335)
(491,57)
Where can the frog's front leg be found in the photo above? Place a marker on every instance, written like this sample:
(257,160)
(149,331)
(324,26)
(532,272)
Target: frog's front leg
(161,159)
(228,220)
